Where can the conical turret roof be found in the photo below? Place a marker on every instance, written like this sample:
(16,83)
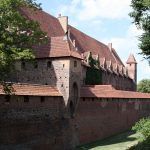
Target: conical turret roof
(131,59)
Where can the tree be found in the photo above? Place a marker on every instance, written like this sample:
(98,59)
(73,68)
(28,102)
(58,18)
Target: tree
(142,127)
(17,34)
(141,18)
(144,86)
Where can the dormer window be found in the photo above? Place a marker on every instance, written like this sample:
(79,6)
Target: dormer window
(49,64)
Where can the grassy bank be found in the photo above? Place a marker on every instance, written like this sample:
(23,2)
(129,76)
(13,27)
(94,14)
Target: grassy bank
(119,142)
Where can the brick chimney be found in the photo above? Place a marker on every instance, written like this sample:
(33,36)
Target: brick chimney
(110,46)
(63,20)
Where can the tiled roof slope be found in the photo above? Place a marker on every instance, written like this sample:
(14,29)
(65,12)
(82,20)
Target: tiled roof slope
(48,23)
(117,58)
(107,91)
(32,90)
(131,59)
(52,27)
(87,43)
(57,47)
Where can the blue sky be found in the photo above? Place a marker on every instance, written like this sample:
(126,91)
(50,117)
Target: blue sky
(105,20)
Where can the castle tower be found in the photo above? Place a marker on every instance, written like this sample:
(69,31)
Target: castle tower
(132,67)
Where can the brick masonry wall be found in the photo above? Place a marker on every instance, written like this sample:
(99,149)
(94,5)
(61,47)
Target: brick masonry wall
(33,125)
(118,81)
(100,118)
(37,125)
(57,74)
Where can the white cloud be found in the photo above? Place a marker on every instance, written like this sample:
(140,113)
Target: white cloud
(91,9)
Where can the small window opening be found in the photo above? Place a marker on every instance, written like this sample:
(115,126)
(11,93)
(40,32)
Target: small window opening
(49,64)
(26,99)
(63,65)
(23,65)
(62,85)
(75,63)
(7,98)
(42,99)
(35,64)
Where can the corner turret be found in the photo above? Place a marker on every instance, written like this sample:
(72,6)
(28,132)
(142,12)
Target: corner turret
(132,67)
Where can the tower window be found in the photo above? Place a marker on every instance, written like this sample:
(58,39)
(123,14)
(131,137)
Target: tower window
(49,64)
(26,99)
(75,63)
(63,65)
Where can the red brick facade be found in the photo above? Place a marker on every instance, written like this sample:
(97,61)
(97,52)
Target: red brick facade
(52,108)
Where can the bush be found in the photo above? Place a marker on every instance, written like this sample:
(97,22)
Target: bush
(143,127)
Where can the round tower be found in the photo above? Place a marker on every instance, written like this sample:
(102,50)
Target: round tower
(132,67)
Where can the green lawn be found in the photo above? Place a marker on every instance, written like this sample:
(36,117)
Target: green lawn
(119,142)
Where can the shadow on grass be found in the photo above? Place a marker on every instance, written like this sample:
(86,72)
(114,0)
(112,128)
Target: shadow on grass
(124,137)
(143,145)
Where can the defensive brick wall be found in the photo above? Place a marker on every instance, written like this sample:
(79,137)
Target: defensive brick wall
(39,123)
(100,118)
(36,124)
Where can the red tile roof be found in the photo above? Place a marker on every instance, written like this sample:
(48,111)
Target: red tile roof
(107,91)
(117,58)
(87,43)
(131,59)
(32,90)
(48,23)
(52,27)
(58,47)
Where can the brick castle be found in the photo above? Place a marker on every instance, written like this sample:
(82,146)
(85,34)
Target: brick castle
(77,91)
